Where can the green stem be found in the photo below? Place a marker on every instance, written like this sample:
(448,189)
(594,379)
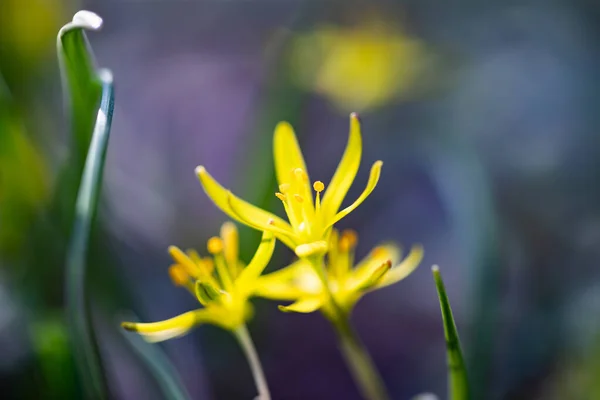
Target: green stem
(356,356)
(243,337)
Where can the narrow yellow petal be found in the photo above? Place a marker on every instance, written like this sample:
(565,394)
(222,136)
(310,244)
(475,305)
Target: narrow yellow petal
(261,220)
(375,277)
(171,328)
(377,256)
(306,305)
(241,210)
(286,152)
(345,172)
(402,270)
(277,290)
(259,261)
(373,179)
(290,283)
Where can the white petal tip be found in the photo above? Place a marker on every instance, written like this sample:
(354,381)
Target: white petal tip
(435,268)
(88,19)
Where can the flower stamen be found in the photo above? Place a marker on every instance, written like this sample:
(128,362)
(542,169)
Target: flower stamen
(281,196)
(215,247)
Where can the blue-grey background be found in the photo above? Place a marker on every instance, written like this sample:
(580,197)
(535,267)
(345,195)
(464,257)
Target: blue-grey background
(486,118)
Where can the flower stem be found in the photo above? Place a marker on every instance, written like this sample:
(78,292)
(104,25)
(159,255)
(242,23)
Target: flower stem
(363,370)
(356,356)
(243,337)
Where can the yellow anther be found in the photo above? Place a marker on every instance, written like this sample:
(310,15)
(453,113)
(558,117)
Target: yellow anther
(178,275)
(280,196)
(214,245)
(348,240)
(318,186)
(300,174)
(298,198)
(284,187)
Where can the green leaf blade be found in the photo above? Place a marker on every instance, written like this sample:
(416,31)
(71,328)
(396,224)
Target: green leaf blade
(458,384)
(80,79)
(90,97)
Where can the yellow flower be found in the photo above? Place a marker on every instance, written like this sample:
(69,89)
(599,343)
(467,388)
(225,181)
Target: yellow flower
(357,67)
(348,283)
(310,221)
(221,283)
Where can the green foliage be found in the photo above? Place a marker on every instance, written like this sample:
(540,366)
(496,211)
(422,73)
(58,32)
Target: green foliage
(458,385)
(86,87)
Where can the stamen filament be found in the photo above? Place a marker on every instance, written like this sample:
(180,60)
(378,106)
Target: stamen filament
(215,247)
(288,209)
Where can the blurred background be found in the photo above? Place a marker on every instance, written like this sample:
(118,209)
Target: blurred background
(485,114)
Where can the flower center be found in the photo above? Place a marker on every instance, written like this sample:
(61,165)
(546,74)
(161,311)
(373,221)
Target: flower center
(297,200)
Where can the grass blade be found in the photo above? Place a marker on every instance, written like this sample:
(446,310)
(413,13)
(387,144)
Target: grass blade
(91,101)
(85,352)
(158,364)
(458,385)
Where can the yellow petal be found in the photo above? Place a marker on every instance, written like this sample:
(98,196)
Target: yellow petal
(171,328)
(287,153)
(377,256)
(306,305)
(260,219)
(402,270)
(345,172)
(277,290)
(290,283)
(259,261)
(374,277)
(238,209)
(373,179)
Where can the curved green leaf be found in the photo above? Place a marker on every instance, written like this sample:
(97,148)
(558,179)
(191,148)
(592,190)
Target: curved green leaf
(91,101)
(458,385)
(81,84)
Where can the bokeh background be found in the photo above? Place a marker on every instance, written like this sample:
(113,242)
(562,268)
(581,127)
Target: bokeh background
(486,117)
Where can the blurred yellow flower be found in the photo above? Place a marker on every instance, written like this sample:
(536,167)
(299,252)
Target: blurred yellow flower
(310,222)
(221,283)
(347,282)
(356,68)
